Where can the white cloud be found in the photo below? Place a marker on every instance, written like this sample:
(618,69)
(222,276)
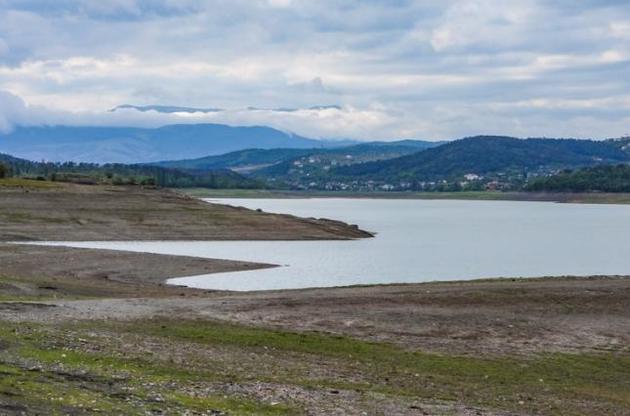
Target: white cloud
(11,110)
(279,3)
(404,68)
(483,23)
(620,30)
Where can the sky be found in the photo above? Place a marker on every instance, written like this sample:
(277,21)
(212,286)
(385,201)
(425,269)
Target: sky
(373,69)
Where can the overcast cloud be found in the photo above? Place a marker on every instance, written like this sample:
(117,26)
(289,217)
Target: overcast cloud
(423,69)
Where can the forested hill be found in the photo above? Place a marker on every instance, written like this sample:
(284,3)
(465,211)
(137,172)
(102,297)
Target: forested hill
(238,159)
(120,174)
(283,158)
(604,178)
(490,154)
(16,165)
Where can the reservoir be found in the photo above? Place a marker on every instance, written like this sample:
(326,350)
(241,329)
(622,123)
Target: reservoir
(417,241)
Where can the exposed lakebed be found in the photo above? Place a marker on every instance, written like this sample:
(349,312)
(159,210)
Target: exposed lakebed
(417,241)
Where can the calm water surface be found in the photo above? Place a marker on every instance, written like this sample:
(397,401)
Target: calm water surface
(418,241)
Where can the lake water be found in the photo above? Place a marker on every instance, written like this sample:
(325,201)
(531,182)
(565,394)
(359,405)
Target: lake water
(418,241)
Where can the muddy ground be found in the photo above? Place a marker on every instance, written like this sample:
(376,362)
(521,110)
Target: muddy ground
(504,317)
(49,211)
(32,271)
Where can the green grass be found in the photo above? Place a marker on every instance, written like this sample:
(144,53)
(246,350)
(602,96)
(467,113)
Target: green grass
(28,218)
(65,379)
(77,363)
(530,384)
(41,392)
(140,373)
(27,183)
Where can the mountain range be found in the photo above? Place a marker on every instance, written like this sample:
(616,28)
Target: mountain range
(284,160)
(138,145)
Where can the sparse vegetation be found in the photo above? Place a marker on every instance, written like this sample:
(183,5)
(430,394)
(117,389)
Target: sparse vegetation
(180,365)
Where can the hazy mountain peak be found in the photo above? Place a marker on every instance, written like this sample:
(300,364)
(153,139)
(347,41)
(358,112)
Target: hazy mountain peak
(134,145)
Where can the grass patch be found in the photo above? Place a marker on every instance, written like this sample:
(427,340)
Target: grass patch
(148,380)
(77,362)
(533,384)
(44,378)
(44,392)
(234,406)
(27,183)
(28,218)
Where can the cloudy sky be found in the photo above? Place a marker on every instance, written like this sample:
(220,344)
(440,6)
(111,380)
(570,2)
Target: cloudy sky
(396,68)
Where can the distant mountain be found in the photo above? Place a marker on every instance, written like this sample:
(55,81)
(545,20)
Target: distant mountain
(275,162)
(138,145)
(4,158)
(490,154)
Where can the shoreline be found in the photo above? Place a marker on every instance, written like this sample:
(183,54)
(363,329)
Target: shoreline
(576,198)
(156,270)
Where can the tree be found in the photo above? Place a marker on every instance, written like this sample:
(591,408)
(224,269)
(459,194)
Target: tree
(4,171)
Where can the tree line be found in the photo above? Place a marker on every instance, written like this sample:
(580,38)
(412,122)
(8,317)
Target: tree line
(121,174)
(602,178)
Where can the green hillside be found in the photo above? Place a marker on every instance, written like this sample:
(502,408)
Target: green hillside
(120,174)
(490,154)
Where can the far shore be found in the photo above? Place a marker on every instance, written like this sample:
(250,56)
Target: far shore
(574,198)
